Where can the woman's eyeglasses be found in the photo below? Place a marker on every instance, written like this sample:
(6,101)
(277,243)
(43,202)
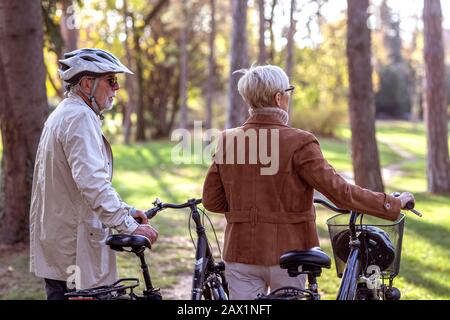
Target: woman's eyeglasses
(289,90)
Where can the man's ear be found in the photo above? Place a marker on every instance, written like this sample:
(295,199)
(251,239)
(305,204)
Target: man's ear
(85,84)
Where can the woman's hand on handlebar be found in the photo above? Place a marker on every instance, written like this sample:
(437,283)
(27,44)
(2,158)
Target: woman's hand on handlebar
(405,198)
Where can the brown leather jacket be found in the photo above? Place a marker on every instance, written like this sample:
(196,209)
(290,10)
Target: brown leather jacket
(268,215)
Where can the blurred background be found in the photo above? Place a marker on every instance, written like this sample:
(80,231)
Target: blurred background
(372,81)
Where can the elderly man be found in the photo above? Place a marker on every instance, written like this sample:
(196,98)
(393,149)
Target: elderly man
(73,204)
(271,212)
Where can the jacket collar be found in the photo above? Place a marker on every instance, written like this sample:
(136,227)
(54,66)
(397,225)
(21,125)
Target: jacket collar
(268,115)
(78,98)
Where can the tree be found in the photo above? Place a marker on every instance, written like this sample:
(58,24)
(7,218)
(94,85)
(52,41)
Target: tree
(366,164)
(395,92)
(237,110)
(138,32)
(262,31)
(23,109)
(290,43)
(130,82)
(211,66)
(438,164)
(69,31)
(272,34)
(183,66)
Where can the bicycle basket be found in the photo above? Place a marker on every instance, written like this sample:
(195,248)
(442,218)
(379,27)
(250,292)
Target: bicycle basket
(383,239)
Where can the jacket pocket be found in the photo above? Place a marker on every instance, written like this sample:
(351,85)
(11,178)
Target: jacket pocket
(96,236)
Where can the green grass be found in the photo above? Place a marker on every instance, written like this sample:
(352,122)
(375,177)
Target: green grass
(145,171)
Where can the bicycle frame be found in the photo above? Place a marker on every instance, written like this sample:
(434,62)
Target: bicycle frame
(205,265)
(349,283)
(206,270)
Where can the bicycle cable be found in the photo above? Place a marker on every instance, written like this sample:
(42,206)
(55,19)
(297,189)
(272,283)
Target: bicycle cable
(213,229)
(190,231)
(203,222)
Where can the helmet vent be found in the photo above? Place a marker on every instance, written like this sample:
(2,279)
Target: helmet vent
(89,58)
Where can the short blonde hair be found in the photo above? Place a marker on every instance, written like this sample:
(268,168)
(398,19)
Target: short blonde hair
(259,85)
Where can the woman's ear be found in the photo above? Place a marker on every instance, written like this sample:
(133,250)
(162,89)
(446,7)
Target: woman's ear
(278,99)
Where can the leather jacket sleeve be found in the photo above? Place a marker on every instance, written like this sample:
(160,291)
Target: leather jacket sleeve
(312,167)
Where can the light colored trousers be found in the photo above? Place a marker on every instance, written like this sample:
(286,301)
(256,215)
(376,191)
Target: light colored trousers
(245,281)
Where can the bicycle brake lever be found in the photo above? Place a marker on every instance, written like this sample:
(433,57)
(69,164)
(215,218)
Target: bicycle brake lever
(157,202)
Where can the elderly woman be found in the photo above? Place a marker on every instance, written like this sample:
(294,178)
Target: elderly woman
(269,214)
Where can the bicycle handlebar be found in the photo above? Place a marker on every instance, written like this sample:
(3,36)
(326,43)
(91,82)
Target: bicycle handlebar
(330,206)
(159,206)
(409,206)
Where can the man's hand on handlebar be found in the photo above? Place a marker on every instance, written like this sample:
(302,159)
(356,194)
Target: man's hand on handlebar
(147,231)
(140,216)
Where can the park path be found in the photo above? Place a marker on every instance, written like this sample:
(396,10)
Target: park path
(181,291)
(394,169)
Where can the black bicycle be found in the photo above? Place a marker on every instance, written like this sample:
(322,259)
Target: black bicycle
(209,281)
(366,256)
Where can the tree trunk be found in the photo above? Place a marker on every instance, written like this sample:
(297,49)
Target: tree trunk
(237,109)
(140,125)
(438,167)
(129,80)
(262,30)
(210,87)
(290,45)
(23,109)
(69,31)
(366,165)
(272,35)
(183,67)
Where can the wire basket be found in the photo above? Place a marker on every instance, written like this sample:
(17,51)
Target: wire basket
(381,238)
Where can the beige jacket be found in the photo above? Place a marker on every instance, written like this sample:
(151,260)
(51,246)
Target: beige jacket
(73,204)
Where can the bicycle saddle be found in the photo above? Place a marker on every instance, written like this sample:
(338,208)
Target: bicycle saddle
(310,261)
(119,241)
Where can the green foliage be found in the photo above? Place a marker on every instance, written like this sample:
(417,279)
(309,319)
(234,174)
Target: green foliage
(320,99)
(393,98)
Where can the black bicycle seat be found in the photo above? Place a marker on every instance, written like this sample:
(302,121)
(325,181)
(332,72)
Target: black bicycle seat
(119,241)
(311,261)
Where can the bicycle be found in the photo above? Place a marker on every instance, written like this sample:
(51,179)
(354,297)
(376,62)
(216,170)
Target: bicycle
(365,256)
(209,281)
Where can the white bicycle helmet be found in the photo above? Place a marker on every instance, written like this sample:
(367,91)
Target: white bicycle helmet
(89,61)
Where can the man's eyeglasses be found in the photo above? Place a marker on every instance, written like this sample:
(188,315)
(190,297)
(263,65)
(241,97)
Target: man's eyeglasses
(112,81)
(289,90)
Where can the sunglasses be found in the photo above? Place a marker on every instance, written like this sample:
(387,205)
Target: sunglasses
(112,81)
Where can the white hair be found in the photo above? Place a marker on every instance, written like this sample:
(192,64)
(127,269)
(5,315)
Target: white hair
(259,85)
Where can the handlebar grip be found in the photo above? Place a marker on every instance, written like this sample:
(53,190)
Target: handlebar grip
(409,205)
(151,213)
